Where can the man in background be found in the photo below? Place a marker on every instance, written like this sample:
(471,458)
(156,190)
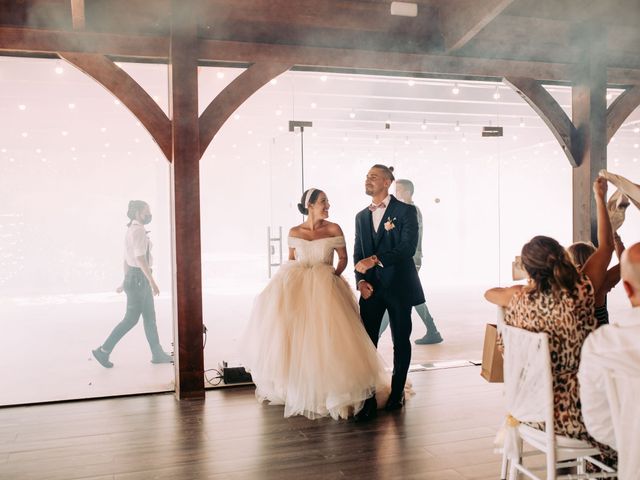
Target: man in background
(404,193)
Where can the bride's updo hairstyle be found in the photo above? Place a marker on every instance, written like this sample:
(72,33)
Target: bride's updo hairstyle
(549,266)
(309,197)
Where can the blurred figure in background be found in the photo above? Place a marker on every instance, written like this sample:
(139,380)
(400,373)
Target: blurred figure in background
(139,286)
(404,193)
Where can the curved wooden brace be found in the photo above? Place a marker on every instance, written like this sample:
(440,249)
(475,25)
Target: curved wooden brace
(129,92)
(234,95)
(620,109)
(551,112)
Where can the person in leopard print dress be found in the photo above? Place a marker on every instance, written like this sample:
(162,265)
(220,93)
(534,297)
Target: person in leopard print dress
(559,301)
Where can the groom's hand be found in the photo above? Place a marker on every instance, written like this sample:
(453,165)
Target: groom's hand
(365,289)
(366,263)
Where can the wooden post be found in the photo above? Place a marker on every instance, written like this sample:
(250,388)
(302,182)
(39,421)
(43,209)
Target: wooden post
(185,185)
(589,112)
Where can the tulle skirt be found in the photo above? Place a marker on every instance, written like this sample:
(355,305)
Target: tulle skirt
(306,348)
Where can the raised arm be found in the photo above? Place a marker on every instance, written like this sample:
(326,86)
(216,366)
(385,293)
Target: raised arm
(501,295)
(596,266)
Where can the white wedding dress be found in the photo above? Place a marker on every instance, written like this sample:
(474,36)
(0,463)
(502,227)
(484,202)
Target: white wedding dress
(305,345)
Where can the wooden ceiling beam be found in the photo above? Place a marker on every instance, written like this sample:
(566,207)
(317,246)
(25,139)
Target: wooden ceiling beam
(549,111)
(461,20)
(383,61)
(157,47)
(77,14)
(620,109)
(130,93)
(234,95)
(51,41)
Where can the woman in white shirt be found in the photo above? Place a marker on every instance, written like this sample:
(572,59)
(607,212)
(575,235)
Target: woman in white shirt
(139,286)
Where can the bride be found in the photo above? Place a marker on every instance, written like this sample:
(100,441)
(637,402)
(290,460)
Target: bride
(305,345)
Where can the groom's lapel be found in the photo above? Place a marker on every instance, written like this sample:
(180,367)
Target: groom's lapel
(366,230)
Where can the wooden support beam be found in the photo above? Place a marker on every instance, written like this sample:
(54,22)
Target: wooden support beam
(31,40)
(130,93)
(382,61)
(77,14)
(550,111)
(185,182)
(589,112)
(25,40)
(234,95)
(461,20)
(620,109)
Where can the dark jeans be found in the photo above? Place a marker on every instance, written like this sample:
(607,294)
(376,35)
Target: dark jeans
(371,312)
(139,302)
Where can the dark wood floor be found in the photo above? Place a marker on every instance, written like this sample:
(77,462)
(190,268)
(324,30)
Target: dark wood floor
(446,431)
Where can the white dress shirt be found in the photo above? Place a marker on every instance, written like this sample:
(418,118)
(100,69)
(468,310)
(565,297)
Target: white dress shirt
(615,346)
(378,213)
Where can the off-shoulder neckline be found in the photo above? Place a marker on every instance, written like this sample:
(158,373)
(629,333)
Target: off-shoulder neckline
(316,239)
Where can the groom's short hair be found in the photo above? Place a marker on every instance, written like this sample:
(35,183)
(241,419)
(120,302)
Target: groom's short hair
(388,171)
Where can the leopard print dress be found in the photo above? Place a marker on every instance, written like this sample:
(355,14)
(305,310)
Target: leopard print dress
(567,320)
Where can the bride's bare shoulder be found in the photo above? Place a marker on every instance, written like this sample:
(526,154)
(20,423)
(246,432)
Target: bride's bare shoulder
(295,231)
(334,229)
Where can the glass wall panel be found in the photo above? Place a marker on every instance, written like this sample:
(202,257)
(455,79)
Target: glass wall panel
(71,158)
(481,197)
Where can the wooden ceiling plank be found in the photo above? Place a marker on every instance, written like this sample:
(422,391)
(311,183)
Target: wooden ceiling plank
(461,20)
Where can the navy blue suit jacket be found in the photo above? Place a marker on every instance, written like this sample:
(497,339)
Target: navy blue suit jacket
(394,248)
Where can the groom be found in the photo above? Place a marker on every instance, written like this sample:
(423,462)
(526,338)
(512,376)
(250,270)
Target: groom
(386,240)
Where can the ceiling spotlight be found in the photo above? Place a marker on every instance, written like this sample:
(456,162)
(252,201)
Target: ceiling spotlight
(323,78)
(435,139)
(377,140)
(236,117)
(278,112)
(411,83)
(59,70)
(635,145)
(496,94)
(345,138)
(352,114)
(522,122)
(314,104)
(455,90)
(609,95)
(424,125)
(22,107)
(220,75)
(636,130)
(406,141)
(404,9)
(457,127)
(273,81)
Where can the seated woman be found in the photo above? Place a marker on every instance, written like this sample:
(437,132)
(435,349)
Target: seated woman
(559,301)
(579,253)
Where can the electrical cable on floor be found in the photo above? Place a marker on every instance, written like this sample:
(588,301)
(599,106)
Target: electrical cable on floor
(211,380)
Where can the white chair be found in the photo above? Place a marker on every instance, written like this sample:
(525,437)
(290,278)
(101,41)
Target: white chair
(623,391)
(529,396)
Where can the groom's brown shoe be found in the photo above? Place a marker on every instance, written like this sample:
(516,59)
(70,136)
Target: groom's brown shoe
(368,412)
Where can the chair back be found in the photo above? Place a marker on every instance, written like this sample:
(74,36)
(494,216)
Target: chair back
(527,375)
(623,395)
